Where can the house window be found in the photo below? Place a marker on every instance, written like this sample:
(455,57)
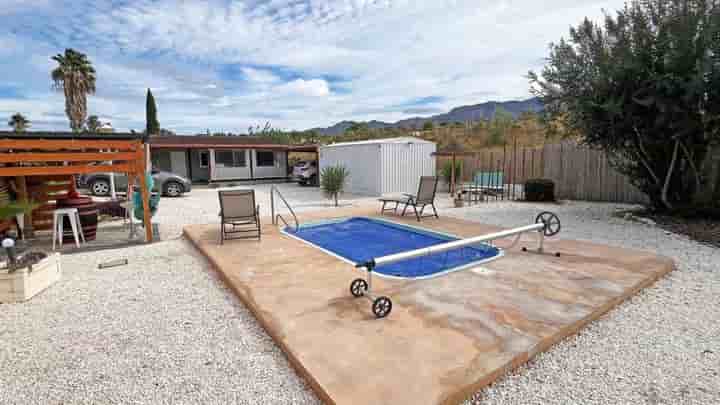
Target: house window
(230,158)
(265,158)
(204,159)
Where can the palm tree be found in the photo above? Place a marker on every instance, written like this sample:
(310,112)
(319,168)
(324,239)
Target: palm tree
(75,76)
(19,123)
(93,123)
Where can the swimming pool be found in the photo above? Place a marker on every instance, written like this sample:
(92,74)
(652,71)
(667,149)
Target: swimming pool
(359,239)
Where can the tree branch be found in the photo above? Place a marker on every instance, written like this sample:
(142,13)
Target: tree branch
(698,183)
(643,159)
(666,186)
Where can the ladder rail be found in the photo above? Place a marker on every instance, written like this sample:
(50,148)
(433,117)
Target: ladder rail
(275,217)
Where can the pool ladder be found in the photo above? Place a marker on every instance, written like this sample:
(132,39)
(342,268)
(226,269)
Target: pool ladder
(275,217)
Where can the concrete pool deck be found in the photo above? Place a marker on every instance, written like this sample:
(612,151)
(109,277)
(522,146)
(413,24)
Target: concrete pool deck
(446,337)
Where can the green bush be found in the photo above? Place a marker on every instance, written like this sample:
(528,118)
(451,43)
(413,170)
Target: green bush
(332,181)
(540,190)
(446,171)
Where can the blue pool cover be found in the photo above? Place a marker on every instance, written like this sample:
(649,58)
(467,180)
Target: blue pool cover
(361,239)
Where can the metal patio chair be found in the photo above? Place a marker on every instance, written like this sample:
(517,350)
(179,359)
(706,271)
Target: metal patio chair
(239,215)
(424,197)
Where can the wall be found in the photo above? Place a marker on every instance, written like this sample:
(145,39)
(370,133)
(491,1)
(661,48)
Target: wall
(221,172)
(363,163)
(161,159)
(278,170)
(403,164)
(198,173)
(178,162)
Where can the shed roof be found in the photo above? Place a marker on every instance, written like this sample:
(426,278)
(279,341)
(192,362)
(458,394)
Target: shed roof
(401,140)
(222,142)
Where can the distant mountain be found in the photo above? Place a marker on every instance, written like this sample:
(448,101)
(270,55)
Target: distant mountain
(477,112)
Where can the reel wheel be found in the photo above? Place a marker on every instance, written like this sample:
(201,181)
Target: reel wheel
(551,222)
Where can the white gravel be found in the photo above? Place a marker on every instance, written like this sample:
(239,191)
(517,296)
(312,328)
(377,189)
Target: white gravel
(164,330)
(660,347)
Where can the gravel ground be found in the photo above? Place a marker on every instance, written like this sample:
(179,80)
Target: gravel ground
(164,330)
(660,347)
(201,206)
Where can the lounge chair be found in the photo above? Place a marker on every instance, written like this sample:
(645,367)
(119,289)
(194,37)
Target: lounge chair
(484,183)
(239,213)
(424,197)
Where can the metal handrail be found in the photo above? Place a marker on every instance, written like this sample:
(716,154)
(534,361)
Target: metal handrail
(273,191)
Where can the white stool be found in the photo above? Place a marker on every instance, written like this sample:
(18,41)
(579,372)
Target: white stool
(74,218)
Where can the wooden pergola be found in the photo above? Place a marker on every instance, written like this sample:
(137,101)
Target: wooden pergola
(62,153)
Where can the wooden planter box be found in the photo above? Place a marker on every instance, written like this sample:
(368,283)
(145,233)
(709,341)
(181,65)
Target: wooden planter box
(24,284)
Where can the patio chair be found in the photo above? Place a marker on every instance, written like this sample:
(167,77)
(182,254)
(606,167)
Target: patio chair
(239,215)
(424,197)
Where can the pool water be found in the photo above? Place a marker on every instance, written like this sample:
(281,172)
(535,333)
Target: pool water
(360,239)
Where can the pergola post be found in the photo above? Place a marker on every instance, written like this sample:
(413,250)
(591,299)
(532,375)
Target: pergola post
(145,194)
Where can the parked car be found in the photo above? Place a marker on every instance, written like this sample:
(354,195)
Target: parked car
(306,172)
(170,184)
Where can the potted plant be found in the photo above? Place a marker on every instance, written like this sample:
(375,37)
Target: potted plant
(458,200)
(332,181)
(24,275)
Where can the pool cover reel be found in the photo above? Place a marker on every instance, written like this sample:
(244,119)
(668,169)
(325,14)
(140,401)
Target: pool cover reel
(546,224)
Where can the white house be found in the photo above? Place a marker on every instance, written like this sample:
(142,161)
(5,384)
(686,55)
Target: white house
(220,158)
(382,166)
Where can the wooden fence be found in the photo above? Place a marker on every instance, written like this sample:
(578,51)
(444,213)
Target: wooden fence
(579,173)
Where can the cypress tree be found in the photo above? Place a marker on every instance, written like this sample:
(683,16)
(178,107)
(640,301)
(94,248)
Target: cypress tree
(153,126)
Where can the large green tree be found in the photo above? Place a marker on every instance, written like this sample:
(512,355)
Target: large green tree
(75,77)
(19,123)
(152,124)
(645,87)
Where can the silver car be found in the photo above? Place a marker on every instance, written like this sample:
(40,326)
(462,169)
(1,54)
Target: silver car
(170,184)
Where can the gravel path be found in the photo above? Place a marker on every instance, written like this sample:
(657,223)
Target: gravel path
(164,330)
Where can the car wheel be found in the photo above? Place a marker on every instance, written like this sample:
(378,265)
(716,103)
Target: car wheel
(173,189)
(100,188)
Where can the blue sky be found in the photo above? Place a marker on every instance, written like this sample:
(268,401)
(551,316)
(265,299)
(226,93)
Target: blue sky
(229,64)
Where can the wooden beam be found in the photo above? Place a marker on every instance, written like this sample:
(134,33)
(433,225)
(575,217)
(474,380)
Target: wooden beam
(53,170)
(68,144)
(67,157)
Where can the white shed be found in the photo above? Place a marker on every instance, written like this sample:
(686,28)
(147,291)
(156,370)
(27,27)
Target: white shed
(382,166)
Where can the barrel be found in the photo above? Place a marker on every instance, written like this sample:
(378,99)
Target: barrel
(88,216)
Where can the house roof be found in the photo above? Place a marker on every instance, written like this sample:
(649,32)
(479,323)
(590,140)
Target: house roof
(71,135)
(223,142)
(401,140)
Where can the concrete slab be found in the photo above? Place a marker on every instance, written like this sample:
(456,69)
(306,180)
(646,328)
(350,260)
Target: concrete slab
(447,337)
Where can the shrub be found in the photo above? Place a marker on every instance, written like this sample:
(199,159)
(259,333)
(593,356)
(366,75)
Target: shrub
(446,171)
(540,190)
(332,181)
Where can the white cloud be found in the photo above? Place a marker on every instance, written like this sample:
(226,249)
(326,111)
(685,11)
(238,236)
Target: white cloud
(313,62)
(302,87)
